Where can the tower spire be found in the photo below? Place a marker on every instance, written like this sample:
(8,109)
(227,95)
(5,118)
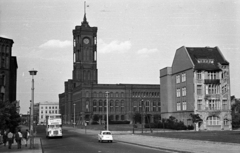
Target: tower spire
(84,19)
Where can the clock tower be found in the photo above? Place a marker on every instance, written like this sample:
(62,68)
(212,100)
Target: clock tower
(85,54)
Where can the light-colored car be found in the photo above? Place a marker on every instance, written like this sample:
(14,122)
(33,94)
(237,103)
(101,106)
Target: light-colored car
(105,136)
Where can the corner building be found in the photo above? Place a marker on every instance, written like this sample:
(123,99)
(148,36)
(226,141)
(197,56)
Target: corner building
(84,97)
(8,71)
(199,83)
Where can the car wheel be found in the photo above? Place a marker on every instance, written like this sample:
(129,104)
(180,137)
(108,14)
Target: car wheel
(111,141)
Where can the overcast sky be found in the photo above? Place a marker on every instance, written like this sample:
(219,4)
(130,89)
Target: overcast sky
(136,38)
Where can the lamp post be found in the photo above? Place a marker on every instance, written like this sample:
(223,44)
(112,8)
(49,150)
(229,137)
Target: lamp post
(74,115)
(107,107)
(142,116)
(32,73)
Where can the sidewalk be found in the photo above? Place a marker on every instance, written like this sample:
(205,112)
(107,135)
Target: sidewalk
(168,144)
(37,147)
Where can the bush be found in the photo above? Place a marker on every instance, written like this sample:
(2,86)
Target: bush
(171,123)
(94,123)
(190,127)
(119,122)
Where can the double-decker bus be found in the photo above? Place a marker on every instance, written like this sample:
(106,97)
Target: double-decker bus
(54,125)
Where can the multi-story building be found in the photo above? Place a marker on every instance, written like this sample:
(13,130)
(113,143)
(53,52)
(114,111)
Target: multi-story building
(8,71)
(46,108)
(84,97)
(199,83)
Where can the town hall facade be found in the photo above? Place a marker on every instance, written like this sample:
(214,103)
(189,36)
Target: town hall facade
(84,98)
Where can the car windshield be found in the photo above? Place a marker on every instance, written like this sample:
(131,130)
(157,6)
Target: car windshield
(106,133)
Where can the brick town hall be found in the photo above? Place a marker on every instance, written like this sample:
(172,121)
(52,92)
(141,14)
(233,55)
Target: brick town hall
(198,82)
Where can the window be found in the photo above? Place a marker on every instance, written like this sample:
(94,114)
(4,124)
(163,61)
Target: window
(178,106)
(122,106)
(183,77)
(184,105)
(178,79)
(154,107)
(184,91)
(214,104)
(199,104)
(46,112)
(199,75)
(105,106)
(147,106)
(213,120)
(225,121)
(41,116)
(178,93)
(46,107)
(140,106)
(122,117)
(94,106)
(87,94)
(117,106)
(159,106)
(224,104)
(135,106)
(100,106)
(212,75)
(199,90)
(56,112)
(111,106)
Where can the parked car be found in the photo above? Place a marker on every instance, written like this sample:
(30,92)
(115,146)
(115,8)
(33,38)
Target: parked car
(105,136)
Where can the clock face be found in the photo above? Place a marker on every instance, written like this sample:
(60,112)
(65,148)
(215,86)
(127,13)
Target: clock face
(86,41)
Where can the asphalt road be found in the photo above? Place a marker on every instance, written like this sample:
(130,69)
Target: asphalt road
(73,142)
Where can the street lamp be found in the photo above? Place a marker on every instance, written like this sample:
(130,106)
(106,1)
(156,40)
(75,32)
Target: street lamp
(107,107)
(142,116)
(32,73)
(74,115)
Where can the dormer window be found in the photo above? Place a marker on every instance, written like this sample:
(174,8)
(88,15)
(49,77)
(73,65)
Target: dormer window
(207,61)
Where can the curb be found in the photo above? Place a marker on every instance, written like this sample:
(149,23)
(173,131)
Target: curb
(158,148)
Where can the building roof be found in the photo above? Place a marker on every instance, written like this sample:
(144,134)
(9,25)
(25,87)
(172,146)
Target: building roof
(206,58)
(49,103)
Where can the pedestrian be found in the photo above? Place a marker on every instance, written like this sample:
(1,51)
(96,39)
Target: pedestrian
(26,136)
(1,139)
(10,139)
(18,138)
(4,135)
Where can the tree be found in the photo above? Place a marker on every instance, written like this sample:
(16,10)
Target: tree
(236,114)
(196,118)
(137,117)
(9,118)
(156,118)
(96,118)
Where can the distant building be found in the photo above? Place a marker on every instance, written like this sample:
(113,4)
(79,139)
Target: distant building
(8,71)
(199,83)
(46,108)
(83,98)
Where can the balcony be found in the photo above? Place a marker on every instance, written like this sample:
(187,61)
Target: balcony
(215,81)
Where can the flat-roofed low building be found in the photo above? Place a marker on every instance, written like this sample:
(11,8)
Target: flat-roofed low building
(46,108)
